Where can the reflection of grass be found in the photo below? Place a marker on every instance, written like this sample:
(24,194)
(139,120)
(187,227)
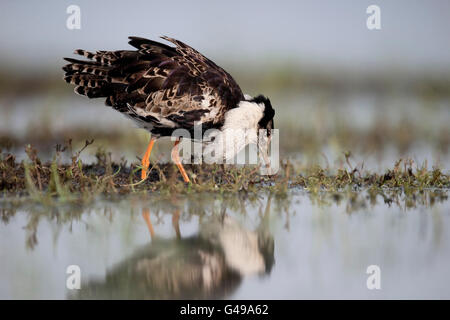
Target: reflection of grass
(53,181)
(65,192)
(204,204)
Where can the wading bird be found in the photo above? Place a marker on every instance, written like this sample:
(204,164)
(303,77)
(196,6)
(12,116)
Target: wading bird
(165,88)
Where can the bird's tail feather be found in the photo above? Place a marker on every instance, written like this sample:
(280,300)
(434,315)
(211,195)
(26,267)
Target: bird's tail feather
(92,78)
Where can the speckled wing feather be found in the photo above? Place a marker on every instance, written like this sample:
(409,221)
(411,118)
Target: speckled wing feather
(161,87)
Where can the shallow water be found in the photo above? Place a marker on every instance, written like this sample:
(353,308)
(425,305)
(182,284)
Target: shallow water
(237,248)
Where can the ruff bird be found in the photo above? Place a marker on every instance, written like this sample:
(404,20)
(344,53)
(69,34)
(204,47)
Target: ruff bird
(164,88)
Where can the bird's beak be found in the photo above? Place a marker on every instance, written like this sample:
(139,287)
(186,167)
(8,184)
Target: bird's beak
(263,146)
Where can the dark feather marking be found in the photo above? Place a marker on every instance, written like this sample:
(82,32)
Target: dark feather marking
(170,81)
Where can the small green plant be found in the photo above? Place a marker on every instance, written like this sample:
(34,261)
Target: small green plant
(76,181)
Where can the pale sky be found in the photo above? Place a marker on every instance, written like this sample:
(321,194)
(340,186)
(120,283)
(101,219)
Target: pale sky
(414,34)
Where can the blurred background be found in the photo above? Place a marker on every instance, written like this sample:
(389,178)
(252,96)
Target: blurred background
(336,85)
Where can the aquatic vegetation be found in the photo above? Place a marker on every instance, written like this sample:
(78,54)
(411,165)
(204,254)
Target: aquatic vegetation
(78,182)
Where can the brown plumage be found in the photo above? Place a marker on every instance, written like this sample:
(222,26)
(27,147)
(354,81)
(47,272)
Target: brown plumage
(165,88)
(161,87)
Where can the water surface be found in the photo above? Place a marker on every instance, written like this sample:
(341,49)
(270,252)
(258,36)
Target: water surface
(205,246)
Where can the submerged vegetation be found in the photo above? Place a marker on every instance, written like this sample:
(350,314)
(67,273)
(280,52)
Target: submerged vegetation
(58,182)
(64,194)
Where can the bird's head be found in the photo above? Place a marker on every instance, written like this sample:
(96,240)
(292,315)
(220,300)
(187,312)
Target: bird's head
(250,122)
(265,125)
(266,122)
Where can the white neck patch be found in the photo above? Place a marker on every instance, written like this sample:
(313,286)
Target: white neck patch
(245,116)
(240,129)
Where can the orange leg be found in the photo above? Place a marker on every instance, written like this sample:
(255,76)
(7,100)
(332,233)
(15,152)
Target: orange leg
(146,158)
(146,215)
(176,159)
(176,223)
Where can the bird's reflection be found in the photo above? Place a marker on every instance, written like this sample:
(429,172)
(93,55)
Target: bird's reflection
(210,264)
